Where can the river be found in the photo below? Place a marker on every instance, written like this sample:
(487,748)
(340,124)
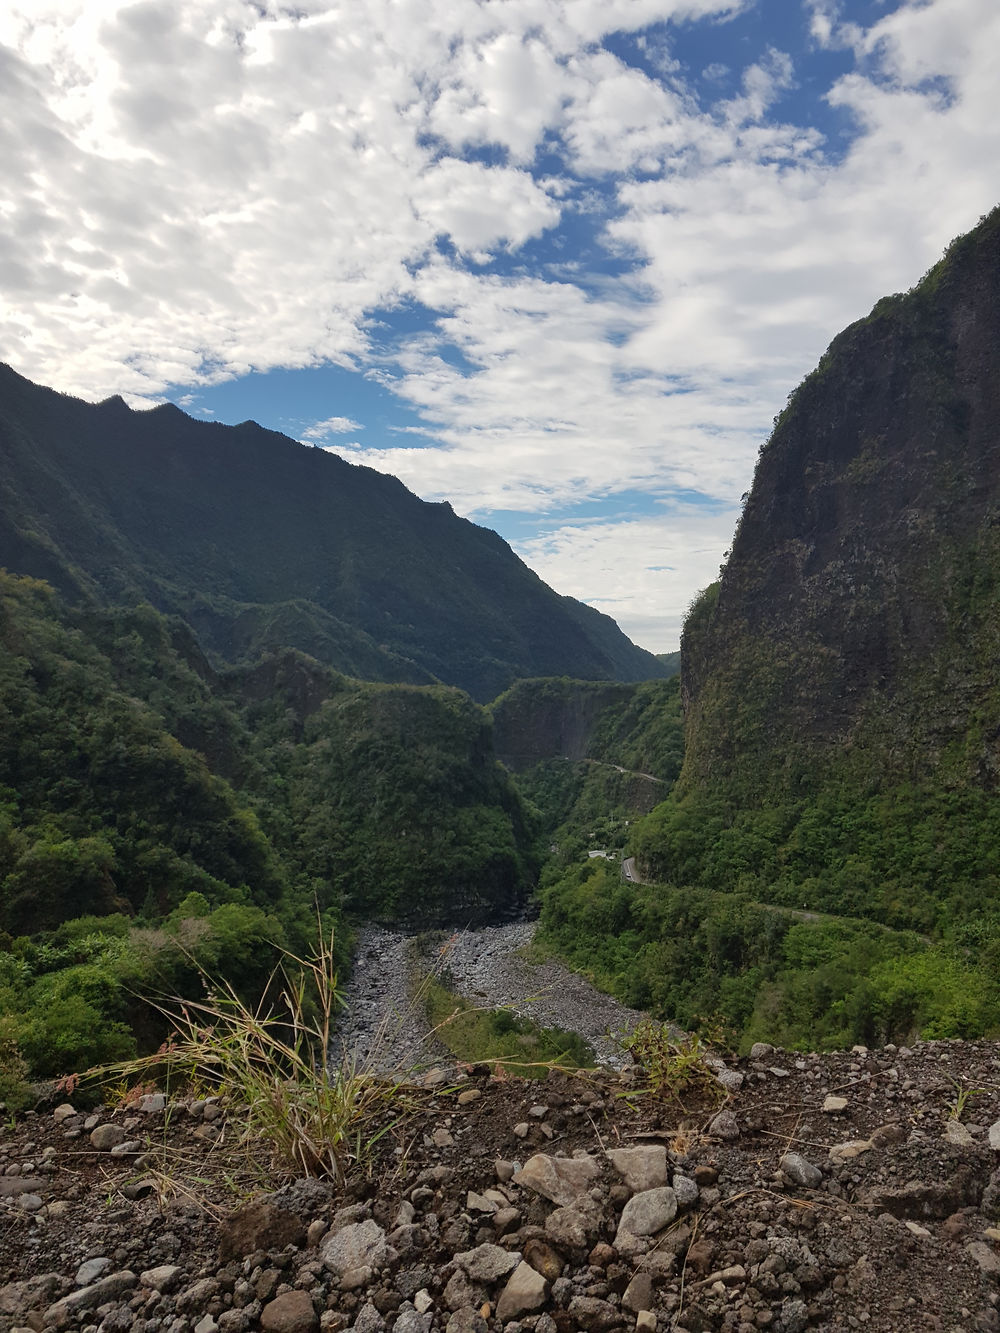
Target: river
(384,1027)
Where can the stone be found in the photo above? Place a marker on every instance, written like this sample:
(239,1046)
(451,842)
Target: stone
(955,1132)
(833,1105)
(593,1314)
(526,1291)
(13,1185)
(686,1191)
(441,1138)
(562,1180)
(724,1126)
(506,1220)
(760,1050)
(642,1168)
(478,1203)
(164,1278)
(645,1321)
(800,1172)
(91,1270)
(543,1259)
(469,1095)
(107,1136)
(460,1293)
(846,1152)
(504,1170)
(30,1203)
(423,1301)
(290,1312)
(206,1324)
(354,1246)
(467,1320)
(487,1263)
(259,1226)
(994,1136)
(985,1256)
(89,1298)
(152,1103)
(647,1213)
(410,1321)
(63,1112)
(572,1227)
(639,1293)
(731,1079)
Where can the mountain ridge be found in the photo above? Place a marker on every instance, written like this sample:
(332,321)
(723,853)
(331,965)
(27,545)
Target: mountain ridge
(234,526)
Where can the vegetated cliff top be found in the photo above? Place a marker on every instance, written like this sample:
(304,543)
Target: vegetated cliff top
(829,1192)
(858,605)
(260,542)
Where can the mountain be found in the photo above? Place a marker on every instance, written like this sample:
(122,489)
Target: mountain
(828,856)
(262,543)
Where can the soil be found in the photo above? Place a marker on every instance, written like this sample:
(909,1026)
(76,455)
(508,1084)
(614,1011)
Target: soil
(773,1229)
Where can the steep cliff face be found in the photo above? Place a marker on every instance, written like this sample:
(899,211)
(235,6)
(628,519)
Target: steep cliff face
(857,621)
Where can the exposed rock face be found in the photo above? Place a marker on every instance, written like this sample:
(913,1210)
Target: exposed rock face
(857,605)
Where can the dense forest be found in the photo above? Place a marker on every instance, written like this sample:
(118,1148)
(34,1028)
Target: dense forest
(156,814)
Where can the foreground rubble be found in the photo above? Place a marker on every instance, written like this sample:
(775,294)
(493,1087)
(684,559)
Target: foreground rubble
(847,1191)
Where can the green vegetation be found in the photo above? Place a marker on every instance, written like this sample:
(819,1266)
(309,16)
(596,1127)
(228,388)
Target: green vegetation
(157,817)
(263,545)
(497,1036)
(270,1061)
(766,973)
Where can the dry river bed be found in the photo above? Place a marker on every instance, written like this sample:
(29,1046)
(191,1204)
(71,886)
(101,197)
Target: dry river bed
(384,1024)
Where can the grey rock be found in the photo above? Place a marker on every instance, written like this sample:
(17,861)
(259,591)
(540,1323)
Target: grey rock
(955,1132)
(163,1278)
(410,1320)
(639,1293)
(89,1298)
(994,1136)
(686,1191)
(593,1314)
(574,1228)
(206,1324)
(13,1185)
(760,1050)
(643,1168)
(985,1256)
(107,1136)
(63,1112)
(800,1172)
(460,1292)
(833,1105)
(525,1292)
(649,1212)
(724,1126)
(361,1244)
(731,1079)
(30,1203)
(152,1103)
(563,1180)
(467,1320)
(368,1320)
(91,1270)
(487,1263)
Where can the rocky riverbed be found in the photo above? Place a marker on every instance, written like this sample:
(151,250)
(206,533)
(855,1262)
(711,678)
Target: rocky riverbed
(384,1022)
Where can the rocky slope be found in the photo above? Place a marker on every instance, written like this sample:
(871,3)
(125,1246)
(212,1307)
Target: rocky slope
(850,1191)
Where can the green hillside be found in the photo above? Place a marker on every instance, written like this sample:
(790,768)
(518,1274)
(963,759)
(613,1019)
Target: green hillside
(261,543)
(826,868)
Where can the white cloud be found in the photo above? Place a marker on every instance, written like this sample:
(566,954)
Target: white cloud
(319,430)
(195,188)
(642,566)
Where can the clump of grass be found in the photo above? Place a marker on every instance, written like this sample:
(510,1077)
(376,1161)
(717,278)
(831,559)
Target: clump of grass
(270,1062)
(673,1067)
(497,1036)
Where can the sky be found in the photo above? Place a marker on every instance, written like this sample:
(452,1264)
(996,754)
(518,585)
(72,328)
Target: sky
(559,262)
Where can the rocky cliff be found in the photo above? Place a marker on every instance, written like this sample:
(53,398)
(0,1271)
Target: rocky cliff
(859,606)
